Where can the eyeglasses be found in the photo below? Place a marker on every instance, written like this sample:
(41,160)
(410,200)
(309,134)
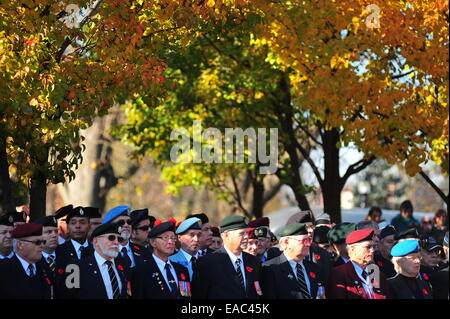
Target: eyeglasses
(35,242)
(307,240)
(369,247)
(166,239)
(114,237)
(144,228)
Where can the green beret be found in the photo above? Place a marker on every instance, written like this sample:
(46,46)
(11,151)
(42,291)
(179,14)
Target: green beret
(293,230)
(233,223)
(339,232)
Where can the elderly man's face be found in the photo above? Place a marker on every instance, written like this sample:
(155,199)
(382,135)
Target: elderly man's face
(362,253)
(126,227)
(30,248)
(190,241)
(385,245)
(206,237)
(410,265)
(297,247)
(78,228)
(235,240)
(252,246)
(5,237)
(107,245)
(164,243)
(50,235)
(430,258)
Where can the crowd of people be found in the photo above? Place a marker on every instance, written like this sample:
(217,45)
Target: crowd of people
(76,253)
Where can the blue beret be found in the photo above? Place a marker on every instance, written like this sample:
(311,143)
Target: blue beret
(404,248)
(190,223)
(122,210)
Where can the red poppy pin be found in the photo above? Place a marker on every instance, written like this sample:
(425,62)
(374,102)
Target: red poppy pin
(249,269)
(120,267)
(48,281)
(426,277)
(136,247)
(380,263)
(60,271)
(425,291)
(183,277)
(312,275)
(317,257)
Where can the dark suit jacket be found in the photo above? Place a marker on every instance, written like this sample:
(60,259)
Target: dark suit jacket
(439,282)
(337,262)
(148,282)
(344,283)
(321,258)
(16,284)
(280,282)
(273,252)
(66,254)
(215,277)
(140,255)
(398,289)
(91,281)
(385,265)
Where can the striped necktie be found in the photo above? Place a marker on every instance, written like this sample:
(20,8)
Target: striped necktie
(172,283)
(31,270)
(113,278)
(51,263)
(302,282)
(239,272)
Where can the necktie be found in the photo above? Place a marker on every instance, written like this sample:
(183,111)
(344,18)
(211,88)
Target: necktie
(51,263)
(302,282)
(239,272)
(193,260)
(81,251)
(125,256)
(31,270)
(172,283)
(364,274)
(113,278)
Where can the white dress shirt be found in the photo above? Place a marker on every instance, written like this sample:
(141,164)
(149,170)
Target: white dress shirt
(162,268)
(77,246)
(129,253)
(233,258)
(25,265)
(293,265)
(367,285)
(101,262)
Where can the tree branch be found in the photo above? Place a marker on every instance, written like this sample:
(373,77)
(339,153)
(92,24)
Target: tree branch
(435,187)
(398,76)
(355,168)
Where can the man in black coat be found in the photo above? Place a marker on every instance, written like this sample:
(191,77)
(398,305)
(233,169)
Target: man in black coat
(228,273)
(383,256)
(407,284)
(77,246)
(21,277)
(336,237)
(158,277)
(290,276)
(100,276)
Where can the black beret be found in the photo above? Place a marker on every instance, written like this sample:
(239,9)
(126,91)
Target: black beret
(234,222)
(7,220)
(76,212)
(92,212)
(387,231)
(108,228)
(47,221)
(138,215)
(161,228)
(301,217)
(407,234)
(293,230)
(17,216)
(63,211)
(320,234)
(201,216)
(339,232)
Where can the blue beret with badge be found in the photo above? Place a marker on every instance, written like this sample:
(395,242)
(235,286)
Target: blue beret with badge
(122,210)
(405,247)
(190,223)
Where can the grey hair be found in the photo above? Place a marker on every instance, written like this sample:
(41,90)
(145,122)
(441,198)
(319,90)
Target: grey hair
(396,262)
(365,224)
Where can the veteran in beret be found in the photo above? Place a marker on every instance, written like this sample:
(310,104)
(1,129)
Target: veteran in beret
(383,256)
(439,279)
(158,277)
(357,279)
(407,284)
(141,225)
(257,244)
(61,215)
(216,239)
(50,235)
(229,272)
(6,228)
(206,238)
(263,241)
(21,277)
(77,246)
(95,219)
(189,233)
(290,276)
(336,236)
(100,276)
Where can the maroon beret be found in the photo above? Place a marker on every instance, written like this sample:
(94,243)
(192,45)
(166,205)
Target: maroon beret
(26,230)
(357,236)
(258,222)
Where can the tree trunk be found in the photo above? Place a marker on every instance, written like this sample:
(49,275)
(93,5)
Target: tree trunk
(38,195)
(332,187)
(258,198)
(5,182)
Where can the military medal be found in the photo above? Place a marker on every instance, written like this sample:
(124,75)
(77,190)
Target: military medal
(257,288)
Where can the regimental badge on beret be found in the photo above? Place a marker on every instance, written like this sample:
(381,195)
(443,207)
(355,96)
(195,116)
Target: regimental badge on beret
(81,212)
(11,219)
